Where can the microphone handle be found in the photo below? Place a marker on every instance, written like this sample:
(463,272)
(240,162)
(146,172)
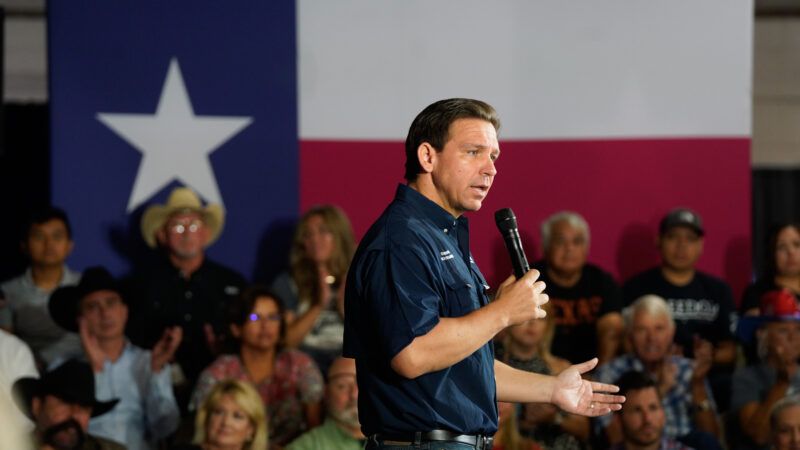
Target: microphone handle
(518,259)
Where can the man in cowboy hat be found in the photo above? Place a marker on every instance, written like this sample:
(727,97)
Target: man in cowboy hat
(182,287)
(757,388)
(147,410)
(61,404)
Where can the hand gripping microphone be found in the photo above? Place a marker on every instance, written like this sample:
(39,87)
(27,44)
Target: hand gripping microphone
(507,224)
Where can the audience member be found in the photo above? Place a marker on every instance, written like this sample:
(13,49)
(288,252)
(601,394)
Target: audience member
(642,417)
(60,404)
(140,379)
(232,418)
(47,242)
(16,361)
(15,435)
(182,287)
(508,436)
(586,300)
(287,380)
(702,305)
(527,347)
(313,290)
(758,387)
(689,407)
(785,424)
(341,429)
(781,268)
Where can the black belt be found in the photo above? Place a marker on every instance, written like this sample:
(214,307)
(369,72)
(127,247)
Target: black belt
(480,442)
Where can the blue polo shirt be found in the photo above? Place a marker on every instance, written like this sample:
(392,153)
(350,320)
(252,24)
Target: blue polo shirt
(412,267)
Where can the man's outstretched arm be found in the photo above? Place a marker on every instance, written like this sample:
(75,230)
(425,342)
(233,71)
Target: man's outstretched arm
(569,391)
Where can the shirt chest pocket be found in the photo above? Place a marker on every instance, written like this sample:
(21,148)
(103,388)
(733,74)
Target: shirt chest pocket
(461,295)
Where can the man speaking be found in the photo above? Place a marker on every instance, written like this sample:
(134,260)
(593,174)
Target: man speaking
(417,318)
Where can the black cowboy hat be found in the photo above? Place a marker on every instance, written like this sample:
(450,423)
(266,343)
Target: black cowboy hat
(64,301)
(72,382)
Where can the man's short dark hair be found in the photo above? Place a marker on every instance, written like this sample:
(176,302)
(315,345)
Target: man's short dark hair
(432,125)
(44,215)
(633,380)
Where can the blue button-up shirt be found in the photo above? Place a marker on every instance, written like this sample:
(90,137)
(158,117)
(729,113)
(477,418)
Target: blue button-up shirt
(413,267)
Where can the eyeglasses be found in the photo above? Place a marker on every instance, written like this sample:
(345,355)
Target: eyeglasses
(184,227)
(255,317)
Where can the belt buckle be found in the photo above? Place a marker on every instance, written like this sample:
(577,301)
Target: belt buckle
(486,442)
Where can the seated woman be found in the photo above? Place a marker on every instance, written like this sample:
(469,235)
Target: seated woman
(782,268)
(322,248)
(527,347)
(287,380)
(231,417)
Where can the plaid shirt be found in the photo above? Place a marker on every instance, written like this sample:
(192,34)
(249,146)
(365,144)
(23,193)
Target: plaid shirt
(677,402)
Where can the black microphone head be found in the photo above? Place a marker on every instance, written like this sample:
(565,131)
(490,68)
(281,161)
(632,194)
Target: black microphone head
(505,219)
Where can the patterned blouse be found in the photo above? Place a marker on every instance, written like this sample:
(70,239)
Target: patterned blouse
(295,382)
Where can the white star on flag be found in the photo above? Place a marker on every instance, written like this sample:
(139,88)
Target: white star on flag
(174,142)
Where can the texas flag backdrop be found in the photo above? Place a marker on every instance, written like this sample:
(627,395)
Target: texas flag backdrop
(619,111)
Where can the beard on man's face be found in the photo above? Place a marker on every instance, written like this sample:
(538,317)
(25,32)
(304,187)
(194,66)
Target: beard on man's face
(66,435)
(347,415)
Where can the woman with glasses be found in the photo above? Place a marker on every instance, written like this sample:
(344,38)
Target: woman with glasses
(288,380)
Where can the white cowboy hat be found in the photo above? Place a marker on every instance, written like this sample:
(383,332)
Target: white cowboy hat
(181,199)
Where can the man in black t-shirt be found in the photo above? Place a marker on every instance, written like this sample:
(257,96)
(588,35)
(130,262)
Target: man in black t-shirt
(585,300)
(701,304)
(180,286)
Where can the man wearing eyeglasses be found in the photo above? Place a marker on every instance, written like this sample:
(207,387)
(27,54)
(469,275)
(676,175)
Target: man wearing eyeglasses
(180,286)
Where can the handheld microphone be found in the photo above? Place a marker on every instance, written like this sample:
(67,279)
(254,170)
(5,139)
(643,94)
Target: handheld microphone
(507,224)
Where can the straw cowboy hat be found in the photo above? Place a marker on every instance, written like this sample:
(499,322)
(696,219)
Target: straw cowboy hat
(181,199)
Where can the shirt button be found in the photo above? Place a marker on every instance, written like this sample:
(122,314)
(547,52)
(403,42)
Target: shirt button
(188,294)
(445,230)
(187,317)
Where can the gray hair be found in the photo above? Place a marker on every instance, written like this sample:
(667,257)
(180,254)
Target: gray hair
(574,219)
(778,407)
(650,304)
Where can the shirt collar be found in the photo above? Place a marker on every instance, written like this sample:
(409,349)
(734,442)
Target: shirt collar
(428,209)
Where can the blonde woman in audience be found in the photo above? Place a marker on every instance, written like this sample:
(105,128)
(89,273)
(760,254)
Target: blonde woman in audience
(527,347)
(232,417)
(288,381)
(313,289)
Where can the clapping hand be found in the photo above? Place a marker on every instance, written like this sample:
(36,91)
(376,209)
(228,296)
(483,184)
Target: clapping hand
(165,348)
(91,346)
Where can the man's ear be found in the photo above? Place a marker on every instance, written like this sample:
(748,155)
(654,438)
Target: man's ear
(161,237)
(205,234)
(36,406)
(236,331)
(426,155)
